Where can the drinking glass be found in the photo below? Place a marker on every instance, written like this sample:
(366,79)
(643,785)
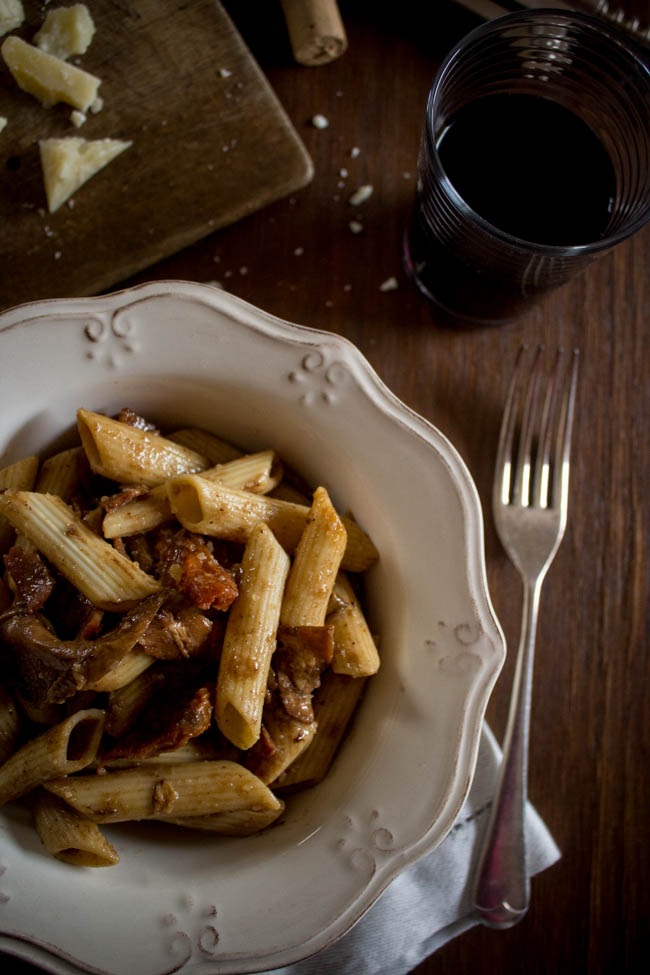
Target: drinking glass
(506,158)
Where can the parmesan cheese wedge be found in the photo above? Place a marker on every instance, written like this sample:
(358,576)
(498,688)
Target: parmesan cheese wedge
(49,79)
(66,31)
(70,162)
(11,15)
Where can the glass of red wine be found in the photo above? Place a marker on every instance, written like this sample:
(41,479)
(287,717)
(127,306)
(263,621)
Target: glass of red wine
(535,159)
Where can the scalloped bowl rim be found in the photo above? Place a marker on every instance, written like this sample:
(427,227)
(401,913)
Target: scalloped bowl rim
(435,680)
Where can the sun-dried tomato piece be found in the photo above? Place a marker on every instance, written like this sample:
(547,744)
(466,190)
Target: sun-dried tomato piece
(166,723)
(186,562)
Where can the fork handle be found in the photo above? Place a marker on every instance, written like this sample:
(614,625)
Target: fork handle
(503,888)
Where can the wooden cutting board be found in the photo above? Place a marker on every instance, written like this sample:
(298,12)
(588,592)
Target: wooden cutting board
(211,144)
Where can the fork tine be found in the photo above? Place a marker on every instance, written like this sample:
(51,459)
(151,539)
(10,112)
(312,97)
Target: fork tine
(560,486)
(503,463)
(543,462)
(529,422)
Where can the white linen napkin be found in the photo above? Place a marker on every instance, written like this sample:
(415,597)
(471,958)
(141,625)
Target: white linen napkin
(431,902)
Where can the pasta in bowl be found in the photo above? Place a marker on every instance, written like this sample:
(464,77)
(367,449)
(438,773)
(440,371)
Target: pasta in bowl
(371,696)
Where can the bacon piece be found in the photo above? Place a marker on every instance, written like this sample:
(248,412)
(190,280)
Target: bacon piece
(302,655)
(91,624)
(177,635)
(127,415)
(112,501)
(186,562)
(32,579)
(265,744)
(167,723)
(139,549)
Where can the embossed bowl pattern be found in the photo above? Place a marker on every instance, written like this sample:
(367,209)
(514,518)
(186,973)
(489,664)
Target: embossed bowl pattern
(187,354)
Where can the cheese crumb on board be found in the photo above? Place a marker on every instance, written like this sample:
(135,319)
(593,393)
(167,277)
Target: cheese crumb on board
(319,122)
(77,118)
(11,15)
(49,79)
(70,162)
(66,31)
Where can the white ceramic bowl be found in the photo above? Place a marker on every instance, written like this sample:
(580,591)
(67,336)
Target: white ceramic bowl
(189,354)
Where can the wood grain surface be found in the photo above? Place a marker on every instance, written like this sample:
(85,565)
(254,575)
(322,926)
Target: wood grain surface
(590,739)
(211,144)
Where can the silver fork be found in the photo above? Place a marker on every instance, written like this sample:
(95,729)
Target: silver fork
(529,502)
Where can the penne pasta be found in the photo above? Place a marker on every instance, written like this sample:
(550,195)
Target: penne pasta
(67,747)
(290,739)
(139,515)
(128,700)
(355,651)
(44,714)
(195,750)
(241,822)
(216,450)
(212,509)
(250,638)
(287,492)
(106,578)
(334,703)
(129,455)
(154,791)
(257,473)
(9,725)
(21,475)
(315,566)
(18,477)
(135,663)
(69,836)
(63,473)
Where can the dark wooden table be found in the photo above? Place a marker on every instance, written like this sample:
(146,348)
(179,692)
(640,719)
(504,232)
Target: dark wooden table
(298,259)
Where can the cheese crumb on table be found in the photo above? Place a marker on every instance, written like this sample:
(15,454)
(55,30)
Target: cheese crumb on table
(355,226)
(361,195)
(11,15)
(70,162)
(66,31)
(390,284)
(49,79)
(319,122)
